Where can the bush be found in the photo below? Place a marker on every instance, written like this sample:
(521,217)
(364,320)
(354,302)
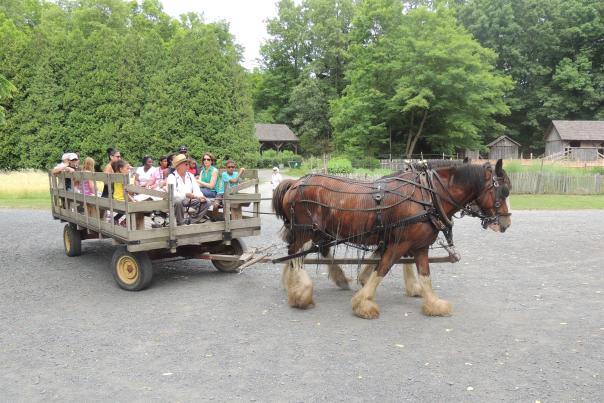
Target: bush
(339,165)
(366,162)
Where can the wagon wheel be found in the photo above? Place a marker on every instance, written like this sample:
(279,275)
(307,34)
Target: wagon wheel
(131,270)
(72,240)
(235,248)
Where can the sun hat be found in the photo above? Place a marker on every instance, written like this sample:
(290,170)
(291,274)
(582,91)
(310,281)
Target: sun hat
(179,159)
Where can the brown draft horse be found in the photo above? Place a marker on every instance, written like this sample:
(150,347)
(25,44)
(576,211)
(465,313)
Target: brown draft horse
(398,215)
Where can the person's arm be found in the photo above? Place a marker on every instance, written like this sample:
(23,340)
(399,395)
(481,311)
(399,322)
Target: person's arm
(197,194)
(61,168)
(108,169)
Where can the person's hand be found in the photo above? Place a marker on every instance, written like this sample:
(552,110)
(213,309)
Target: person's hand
(241,171)
(202,198)
(69,169)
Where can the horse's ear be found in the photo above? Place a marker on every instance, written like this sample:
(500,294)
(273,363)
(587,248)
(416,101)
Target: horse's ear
(499,167)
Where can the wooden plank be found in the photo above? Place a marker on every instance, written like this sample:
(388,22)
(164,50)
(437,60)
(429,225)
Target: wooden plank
(244,197)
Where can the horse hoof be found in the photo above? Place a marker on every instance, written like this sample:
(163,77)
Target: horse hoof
(343,283)
(414,291)
(437,307)
(365,308)
(301,301)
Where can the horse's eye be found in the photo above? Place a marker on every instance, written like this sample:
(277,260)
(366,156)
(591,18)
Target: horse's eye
(504,191)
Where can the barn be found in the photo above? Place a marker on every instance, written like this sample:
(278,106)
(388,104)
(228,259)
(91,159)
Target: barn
(503,147)
(277,137)
(580,140)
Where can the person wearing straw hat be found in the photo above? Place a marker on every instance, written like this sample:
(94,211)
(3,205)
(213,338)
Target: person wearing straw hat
(187,194)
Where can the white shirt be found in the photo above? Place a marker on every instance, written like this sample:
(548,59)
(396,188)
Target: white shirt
(144,177)
(276,180)
(182,187)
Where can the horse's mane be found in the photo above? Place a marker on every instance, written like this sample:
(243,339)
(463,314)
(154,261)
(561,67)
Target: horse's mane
(468,175)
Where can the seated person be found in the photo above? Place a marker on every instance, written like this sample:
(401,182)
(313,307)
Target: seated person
(144,174)
(69,163)
(119,194)
(87,185)
(158,179)
(187,195)
(208,177)
(231,177)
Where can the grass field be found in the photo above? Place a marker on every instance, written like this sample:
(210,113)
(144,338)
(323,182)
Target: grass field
(29,190)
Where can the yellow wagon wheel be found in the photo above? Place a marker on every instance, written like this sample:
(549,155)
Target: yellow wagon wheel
(72,240)
(131,271)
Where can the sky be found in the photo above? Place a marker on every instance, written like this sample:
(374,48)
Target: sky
(246,20)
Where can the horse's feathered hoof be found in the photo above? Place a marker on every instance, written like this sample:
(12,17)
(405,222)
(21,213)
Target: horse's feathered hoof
(301,299)
(414,290)
(437,307)
(365,308)
(343,283)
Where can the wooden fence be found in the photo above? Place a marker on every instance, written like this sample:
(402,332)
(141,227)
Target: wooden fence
(547,183)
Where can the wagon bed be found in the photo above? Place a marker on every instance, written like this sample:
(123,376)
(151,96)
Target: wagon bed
(217,239)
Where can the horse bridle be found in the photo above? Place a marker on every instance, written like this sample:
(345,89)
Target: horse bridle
(473,209)
(499,192)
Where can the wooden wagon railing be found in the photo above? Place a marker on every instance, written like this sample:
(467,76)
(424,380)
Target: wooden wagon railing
(85,212)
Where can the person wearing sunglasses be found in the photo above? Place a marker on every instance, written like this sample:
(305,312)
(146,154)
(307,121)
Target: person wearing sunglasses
(208,177)
(231,176)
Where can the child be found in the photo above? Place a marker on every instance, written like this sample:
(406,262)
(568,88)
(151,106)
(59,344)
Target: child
(87,185)
(231,176)
(122,167)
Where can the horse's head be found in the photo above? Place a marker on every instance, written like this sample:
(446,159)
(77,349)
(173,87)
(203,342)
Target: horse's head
(492,201)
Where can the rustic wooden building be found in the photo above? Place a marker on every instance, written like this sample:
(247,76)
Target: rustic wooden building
(503,147)
(581,140)
(276,136)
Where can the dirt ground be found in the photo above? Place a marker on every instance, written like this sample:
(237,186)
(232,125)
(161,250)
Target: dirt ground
(528,323)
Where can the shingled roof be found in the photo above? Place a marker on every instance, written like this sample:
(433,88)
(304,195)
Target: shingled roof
(502,138)
(275,132)
(578,129)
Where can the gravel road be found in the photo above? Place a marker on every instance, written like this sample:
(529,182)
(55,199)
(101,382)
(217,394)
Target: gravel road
(528,324)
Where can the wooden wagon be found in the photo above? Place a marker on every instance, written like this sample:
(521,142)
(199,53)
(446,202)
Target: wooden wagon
(139,242)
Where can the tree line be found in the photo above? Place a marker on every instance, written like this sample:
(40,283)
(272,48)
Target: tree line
(91,74)
(360,78)
(373,77)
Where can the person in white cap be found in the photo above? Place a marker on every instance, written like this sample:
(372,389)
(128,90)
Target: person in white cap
(69,163)
(276,178)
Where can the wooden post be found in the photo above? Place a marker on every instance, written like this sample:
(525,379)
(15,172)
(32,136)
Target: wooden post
(172,223)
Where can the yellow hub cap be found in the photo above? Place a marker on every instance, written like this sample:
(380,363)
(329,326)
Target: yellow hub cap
(127,270)
(67,241)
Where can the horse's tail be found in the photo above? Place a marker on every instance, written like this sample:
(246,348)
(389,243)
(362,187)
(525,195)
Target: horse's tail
(278,195)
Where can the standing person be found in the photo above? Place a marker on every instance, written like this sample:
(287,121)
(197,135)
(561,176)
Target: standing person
(208,177)
(276,178)
(187,195)
(144,174)
(87,185)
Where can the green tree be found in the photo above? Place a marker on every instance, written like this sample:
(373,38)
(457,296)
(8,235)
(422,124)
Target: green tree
(416,76)
(553,51)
